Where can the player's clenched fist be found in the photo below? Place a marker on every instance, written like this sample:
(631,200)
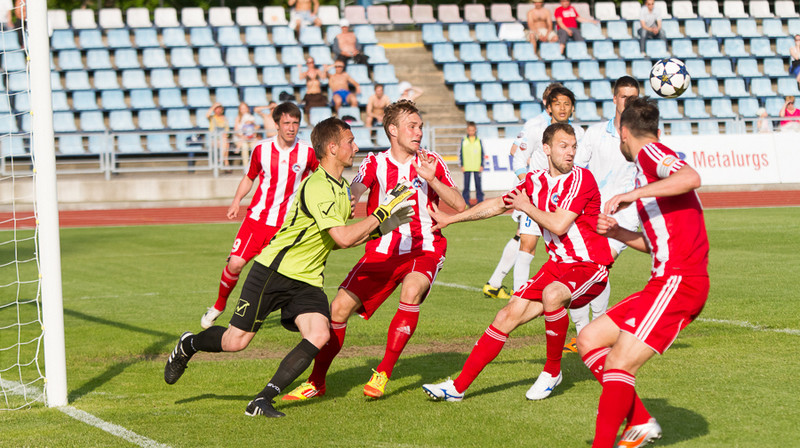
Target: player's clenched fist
(394,200)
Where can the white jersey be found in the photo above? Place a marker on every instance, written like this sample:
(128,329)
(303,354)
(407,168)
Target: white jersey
(530,156)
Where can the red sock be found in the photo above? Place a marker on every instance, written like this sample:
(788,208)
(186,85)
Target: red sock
(615,403)
(400,330)
(595,360)
(485,350)
(226,285)
(323,360)
(556,324)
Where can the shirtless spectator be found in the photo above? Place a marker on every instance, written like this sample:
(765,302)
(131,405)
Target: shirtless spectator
(375,106)
(340,83)
(540,25)
(567,19)
(270,128)
(303,13)
(345,45)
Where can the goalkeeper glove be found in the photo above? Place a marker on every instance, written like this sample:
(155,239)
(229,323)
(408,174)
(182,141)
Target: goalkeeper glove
(402,215)
(399,194)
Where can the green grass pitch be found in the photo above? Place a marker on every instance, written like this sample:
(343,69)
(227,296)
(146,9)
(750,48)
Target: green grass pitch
(730,380)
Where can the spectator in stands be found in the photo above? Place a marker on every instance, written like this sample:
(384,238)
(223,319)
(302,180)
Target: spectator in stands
(313,77)
(303,13)
(794,54)
(346,46)
(311,71)
(340,83)
(218,130)
(540,24)
(375,105)
(764,124)
(790,111)
(409,92)
(20,12)
(471,161)
(650,19)
(270,128)
(567,18)
(6,14)
(245,133)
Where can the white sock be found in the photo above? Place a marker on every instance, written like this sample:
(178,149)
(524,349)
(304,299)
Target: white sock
(580,316)
(600,303)
(505,264)
(522,269)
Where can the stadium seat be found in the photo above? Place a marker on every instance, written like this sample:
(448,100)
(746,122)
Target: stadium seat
(77,80)
(523,52)
(504,113)
(709,88)
(174,37)
(589,70)
(481,72)
(668,110)
(520,92)
(605,11)
(773,28)
(218,77)
(774,106)
(775,67)
(695,108)
(682,49)
(145,38)
(476,113)
(158,143)
(105,80)
(629,10)
(562,71)
(748,107)
(600,90)
(70,60)
(465,93)
(604,50)
(355,14)
(470,52)
(256,36)
(359,73)
(492,92)
(615,69)
(83,19)
(15,61)
(708,127)
(497,52)
(629,49)
(121,120)
(586,111)
(708,48)
(61,40)
(365,34)
(201,37)
(721,28)
(734,9)
(237,57)
(90,39)
(162,78)
(154,58)
(721,68)
(458,33)
(433,33)
(190,77)
(448,13)
(274,76)
(708,9)
(274,16)
(657,49)
(150,120)
(695,29)
(376,54)
(680,128)
(317,114)
(8,125)
(198,97)
(422,13)
(292,55)
(529,110)
(138,18)
(193,17)
(92,121)
(227,96)
(10,41)
(550,51)
(783,45)
(210,57)
(246,76)
(220,16)
(475,13)
(734,88)
(486,32)
(536,71)
(696,68)
(70,145)
(378,15)
(310,35)
(141,99)
(166,18)
(508,72)
(762,88)
(577,51)
(734,48)
(400,14)
(182,57)
(59,100)
(118,39)
(640,68)
(230,36)
(384,74)
(130,143)
(788,86)
(57,19)
(170,98)
(577,88)
(501,12)
(748,68)
(454,73)
(485,132)
(257,96)
(785,9)
(618,30)
(591,31)
(747,28)
(265,56)
(511,32)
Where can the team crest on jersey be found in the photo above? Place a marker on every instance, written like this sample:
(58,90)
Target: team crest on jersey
(554,198)
(296,168)
(416,182)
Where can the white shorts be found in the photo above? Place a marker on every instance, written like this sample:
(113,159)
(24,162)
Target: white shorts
(627,218)
(527,226)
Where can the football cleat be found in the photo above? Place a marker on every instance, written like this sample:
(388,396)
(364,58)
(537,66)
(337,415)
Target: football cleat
(176,363)
(496,293)
(375,386)
(640,435)
(304,392)
(572,346)
(543,386)
(210,317)
(260,406)
(444,391)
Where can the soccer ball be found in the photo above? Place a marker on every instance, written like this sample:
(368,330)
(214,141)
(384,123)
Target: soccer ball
(669,78)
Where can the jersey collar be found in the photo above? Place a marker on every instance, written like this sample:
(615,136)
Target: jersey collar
(611,129)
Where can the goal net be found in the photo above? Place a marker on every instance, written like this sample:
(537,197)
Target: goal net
(31,317)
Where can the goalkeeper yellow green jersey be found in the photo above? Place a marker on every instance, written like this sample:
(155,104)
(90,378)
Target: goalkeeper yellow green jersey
(301,247)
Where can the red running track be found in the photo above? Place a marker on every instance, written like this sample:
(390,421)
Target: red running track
(184,215)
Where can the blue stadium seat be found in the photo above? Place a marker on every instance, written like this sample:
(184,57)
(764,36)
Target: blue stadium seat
(708,48)
(600,90)
(333,30)
(695,29)
(218,77)
(359,73)
(162,78)
(629,49)
(484,132)
(227,96)
(504,113)
(158,143)
(141,99)
(246,76)
(762,87)
(17,82)
(121,120)
(170,99)
(365,34)
(59,99)
(722,108)
(592,31)
(309,35)
(150,120)
(145,38)
(708,127)
(672,29)
(618,30)
(459,32)
(734,48)
(748,107)
(444,53)
(657,48)
(470,52)
(721,28)
(481,72)
(492,92)
(695,108)
(210,57)
(22,102)
(577,51)
(680,128)
(351,111)
(125,58)
(292,55)
(536,71)
(228,36)
(274,76)
(130,143)
(668,110)
(154,58)
(508,72)
(774,67)
(562,71)
(433,33)
(748,68)
(734,88)
(586,111)
(363,138)
(696,68)
(317,114)
(13,146)
(465,93)
(384,74)
(589,70)
(520,92)
(55,82)
(98,143)
(709,88)
(529,110)
(477,113)
(577,88)
(788,86)
(179,119)
(322,54)
(604,50)
(91,122)
(237,57)
(376,54)
(117,38)
(257,96)
(721,68)
(641,68)
(760,47)
(794,26)
(105,80)
(523,52)
(90,39)
(97,59)
(61,40)
(190,77)
(783,45)
(14,61)
(454,73)
(70,145)
(134,79)
(682,48)
(198,97)
(550,51)
(747,28)
(8,124)
(497,52)
(772,28)
(256,36)
(174,37)
(616,69)
(265,56)
(486,32)
(774,106)
(75,80)
(70,60)
(201,37)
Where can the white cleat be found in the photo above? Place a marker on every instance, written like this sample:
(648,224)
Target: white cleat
(543,386)
(444,391)
(209,317)
(640,435)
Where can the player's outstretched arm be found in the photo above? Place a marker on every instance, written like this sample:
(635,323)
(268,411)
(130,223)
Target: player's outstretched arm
(557,222)
(241,191)
(682,181)
(609,228)
(426,169)
(483,210)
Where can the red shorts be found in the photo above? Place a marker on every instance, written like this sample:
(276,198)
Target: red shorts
(658,313)
(252,238)
(374,278)
(585,281)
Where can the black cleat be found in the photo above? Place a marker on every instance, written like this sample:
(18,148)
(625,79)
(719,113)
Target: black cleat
(176,364)
(260,406)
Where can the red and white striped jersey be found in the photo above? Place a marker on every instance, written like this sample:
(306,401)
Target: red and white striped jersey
(673,226)
(380,173)
(577,192)
(280,172)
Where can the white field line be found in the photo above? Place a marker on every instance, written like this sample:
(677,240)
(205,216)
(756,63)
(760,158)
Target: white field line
(736,323)
(16,388)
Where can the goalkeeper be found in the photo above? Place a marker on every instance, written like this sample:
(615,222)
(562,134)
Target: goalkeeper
(410,255)
(288,274)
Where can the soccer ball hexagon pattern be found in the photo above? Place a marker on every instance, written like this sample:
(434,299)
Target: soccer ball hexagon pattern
(669,78)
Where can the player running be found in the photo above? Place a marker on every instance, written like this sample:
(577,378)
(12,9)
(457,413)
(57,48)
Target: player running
(618,343)
(411,255)
(565,202)
(287,275)
(281,163)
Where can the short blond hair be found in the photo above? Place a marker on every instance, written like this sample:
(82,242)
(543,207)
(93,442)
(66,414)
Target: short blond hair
(393,112)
